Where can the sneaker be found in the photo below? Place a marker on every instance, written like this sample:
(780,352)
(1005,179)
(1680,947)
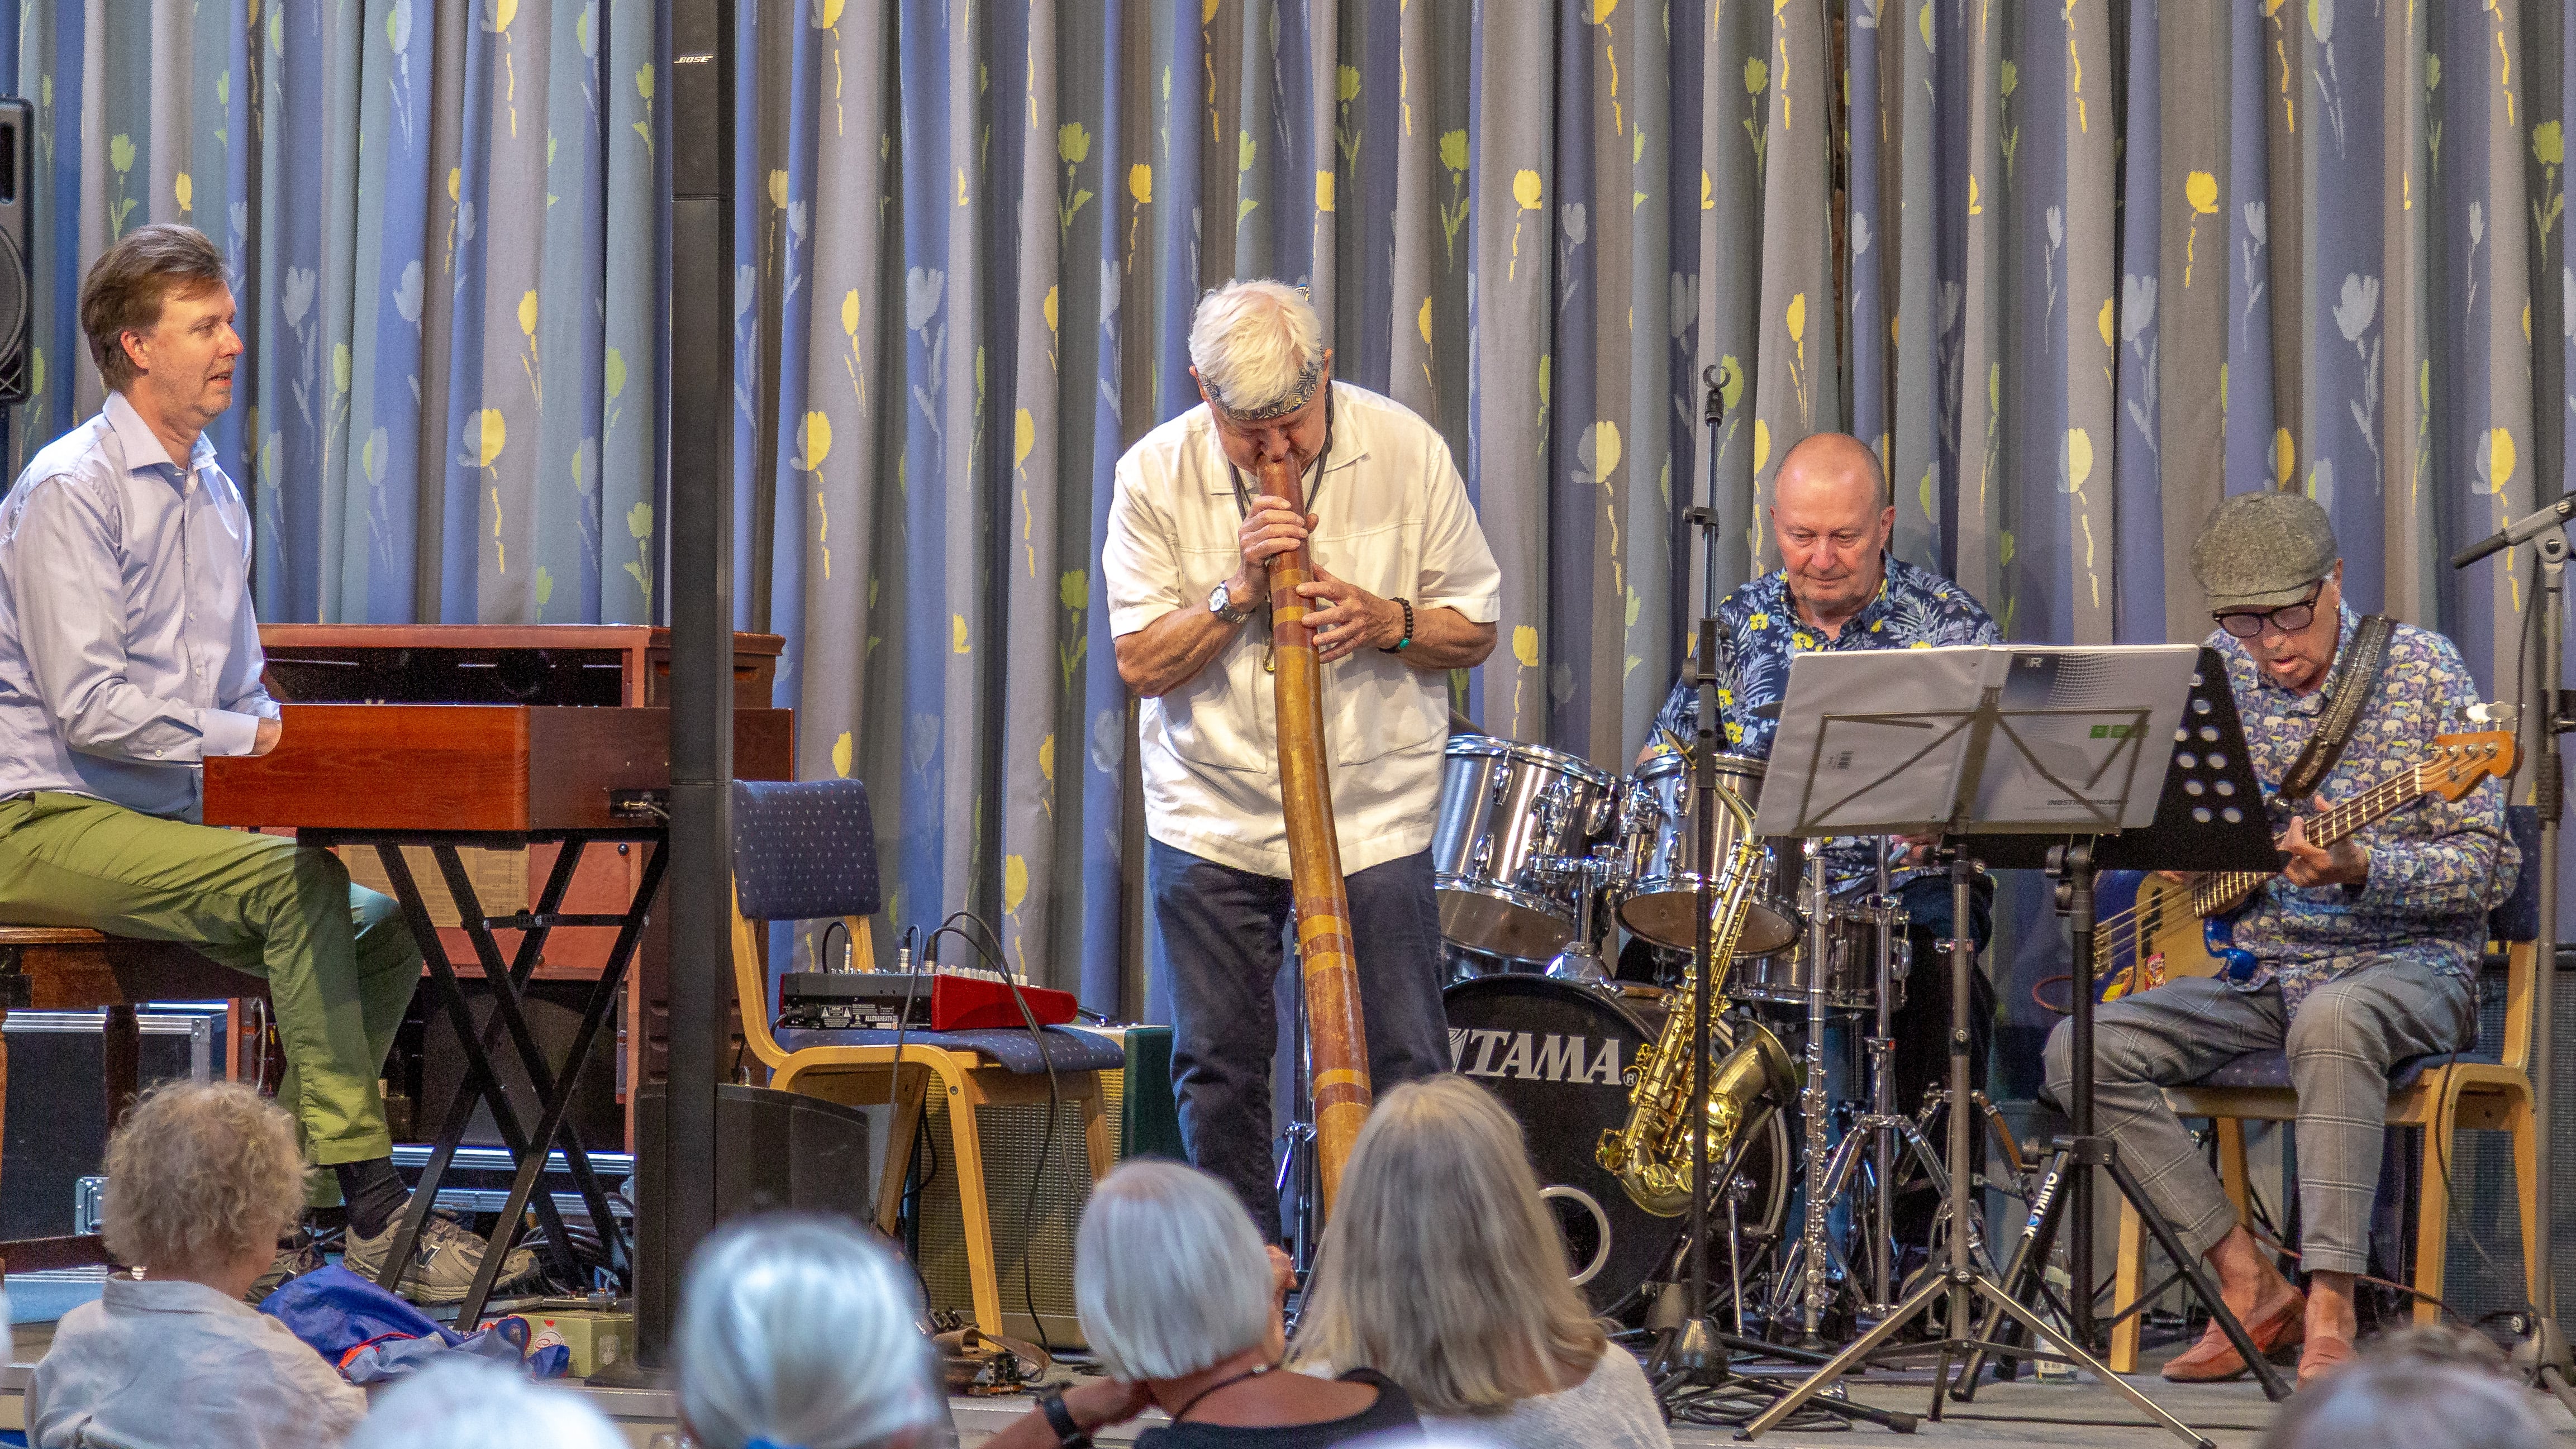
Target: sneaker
(297,1255)
(443,1263)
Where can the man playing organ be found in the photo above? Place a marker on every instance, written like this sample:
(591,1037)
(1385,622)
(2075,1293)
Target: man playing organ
(129,656)
(2355,957)
(1406,590)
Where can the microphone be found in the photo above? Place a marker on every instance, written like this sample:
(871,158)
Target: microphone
(2529,525)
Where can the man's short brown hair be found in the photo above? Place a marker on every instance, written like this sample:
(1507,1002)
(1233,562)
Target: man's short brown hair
(129,282)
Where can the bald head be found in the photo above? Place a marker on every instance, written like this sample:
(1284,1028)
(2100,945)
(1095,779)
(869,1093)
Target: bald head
(1830,518)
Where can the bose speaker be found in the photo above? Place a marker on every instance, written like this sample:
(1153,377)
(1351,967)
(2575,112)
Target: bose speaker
(17,227)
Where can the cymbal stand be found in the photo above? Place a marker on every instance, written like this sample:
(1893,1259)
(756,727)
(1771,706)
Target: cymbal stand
(1961,1282)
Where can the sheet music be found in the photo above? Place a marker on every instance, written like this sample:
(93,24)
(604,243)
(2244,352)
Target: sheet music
(1882,742)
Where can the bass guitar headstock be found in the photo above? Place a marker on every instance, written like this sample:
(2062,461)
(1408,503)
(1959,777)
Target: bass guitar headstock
(2459,763)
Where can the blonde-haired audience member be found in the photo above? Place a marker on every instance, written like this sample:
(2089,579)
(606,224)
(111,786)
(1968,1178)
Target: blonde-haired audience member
(1180,1299)
(202,1177)
(1443,1270)
(471,1403)
(800,1330)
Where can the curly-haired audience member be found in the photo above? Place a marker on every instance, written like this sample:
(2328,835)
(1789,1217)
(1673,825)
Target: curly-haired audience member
(802,1331)
(1443,1270)
(202,1177)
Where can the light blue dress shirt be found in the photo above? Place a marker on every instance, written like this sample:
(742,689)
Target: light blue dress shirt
(128,653)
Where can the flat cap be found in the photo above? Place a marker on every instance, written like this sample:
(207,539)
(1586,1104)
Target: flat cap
(2262,550)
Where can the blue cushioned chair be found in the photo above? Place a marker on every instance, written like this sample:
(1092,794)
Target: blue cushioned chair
(2487,1089)
(806,850)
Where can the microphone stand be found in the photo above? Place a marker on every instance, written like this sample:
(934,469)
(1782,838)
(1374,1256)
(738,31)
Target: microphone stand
(1693,1355)
(2543,1356)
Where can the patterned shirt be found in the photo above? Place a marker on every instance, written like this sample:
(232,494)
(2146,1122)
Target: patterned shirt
(1759,632)
(2436,867)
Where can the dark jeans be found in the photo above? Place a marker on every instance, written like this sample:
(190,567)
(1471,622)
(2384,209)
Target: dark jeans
(1921,1026)
(1219,931)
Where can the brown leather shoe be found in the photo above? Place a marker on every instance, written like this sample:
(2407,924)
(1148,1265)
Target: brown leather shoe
(2215,1360)
(2322,1357)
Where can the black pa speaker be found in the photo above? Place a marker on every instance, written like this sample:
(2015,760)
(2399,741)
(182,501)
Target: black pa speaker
(775,1152)
(17,232)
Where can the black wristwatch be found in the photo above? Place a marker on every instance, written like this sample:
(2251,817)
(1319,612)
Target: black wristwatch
(1068,1434)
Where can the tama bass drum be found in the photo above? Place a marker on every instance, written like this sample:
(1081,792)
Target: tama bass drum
(1562,1056)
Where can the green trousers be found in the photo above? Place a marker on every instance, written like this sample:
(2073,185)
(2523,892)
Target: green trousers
(340,963)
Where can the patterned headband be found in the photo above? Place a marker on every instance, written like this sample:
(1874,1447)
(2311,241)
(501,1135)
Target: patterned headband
(1297,396)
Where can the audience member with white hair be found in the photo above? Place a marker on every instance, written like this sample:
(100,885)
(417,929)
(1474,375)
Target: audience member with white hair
(2420,1389)
(1443,1270)
(801,1332)
(202,1177)
(463,1402)
(1180,1299)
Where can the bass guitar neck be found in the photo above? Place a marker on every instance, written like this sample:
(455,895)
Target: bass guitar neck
(2153,929)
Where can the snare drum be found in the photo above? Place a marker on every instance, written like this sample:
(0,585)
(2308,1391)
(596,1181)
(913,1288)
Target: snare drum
(1851,962)
(1508,814)
(1658,836)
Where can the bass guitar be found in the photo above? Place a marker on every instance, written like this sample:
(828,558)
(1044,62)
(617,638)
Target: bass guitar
(2154,929)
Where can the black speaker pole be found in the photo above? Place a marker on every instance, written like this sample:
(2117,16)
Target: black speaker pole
(698,530)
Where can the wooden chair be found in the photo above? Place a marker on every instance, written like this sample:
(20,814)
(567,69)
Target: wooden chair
(2488,1089)
(807,851)
(66,968)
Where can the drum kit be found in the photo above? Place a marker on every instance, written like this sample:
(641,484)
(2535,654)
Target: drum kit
(1534,854)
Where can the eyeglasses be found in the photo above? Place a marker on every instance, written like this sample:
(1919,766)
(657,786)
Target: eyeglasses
(2289,618)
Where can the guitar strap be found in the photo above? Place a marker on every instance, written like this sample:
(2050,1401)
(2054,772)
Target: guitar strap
(2354,681)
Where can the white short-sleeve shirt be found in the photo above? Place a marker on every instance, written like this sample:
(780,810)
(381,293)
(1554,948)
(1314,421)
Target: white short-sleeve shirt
(1392,518)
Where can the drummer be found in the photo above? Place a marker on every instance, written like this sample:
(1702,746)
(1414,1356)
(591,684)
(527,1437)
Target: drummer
(1838,588)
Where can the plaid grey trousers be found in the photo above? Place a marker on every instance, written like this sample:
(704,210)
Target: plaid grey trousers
(2346,1034)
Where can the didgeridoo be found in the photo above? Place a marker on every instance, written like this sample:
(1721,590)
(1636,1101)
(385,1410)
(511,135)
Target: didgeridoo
(1337,1041)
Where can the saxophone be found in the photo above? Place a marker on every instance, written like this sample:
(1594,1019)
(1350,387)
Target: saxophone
(1651,1155)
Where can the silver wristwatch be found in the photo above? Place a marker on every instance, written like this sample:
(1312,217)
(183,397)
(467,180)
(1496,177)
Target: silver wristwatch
(1221,604)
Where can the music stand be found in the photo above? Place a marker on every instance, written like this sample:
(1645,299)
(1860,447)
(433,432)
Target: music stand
(1976,742)
(2193,830)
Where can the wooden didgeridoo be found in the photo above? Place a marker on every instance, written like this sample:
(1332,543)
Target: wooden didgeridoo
(1336,1041)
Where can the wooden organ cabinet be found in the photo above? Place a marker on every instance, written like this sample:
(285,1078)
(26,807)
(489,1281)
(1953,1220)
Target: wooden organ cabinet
(547,664)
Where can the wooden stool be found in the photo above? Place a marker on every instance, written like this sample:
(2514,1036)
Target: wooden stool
(67,968)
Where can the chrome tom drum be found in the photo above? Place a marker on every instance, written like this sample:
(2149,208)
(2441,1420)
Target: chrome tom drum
(1851,962)
(1509,813)
(1658,837)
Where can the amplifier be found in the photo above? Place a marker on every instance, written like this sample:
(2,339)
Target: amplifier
(943,1000)
(1137,1100)
(57,1134)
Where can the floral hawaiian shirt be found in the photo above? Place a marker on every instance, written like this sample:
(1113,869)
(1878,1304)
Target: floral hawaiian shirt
(1759,632)
(2436,867)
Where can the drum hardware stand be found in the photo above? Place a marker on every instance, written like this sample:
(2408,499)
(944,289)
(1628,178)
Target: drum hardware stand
(2543,1356)
(1694,1355)
(1579,959)
(1812,1240)
(1962,1281)
(1294,1182)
